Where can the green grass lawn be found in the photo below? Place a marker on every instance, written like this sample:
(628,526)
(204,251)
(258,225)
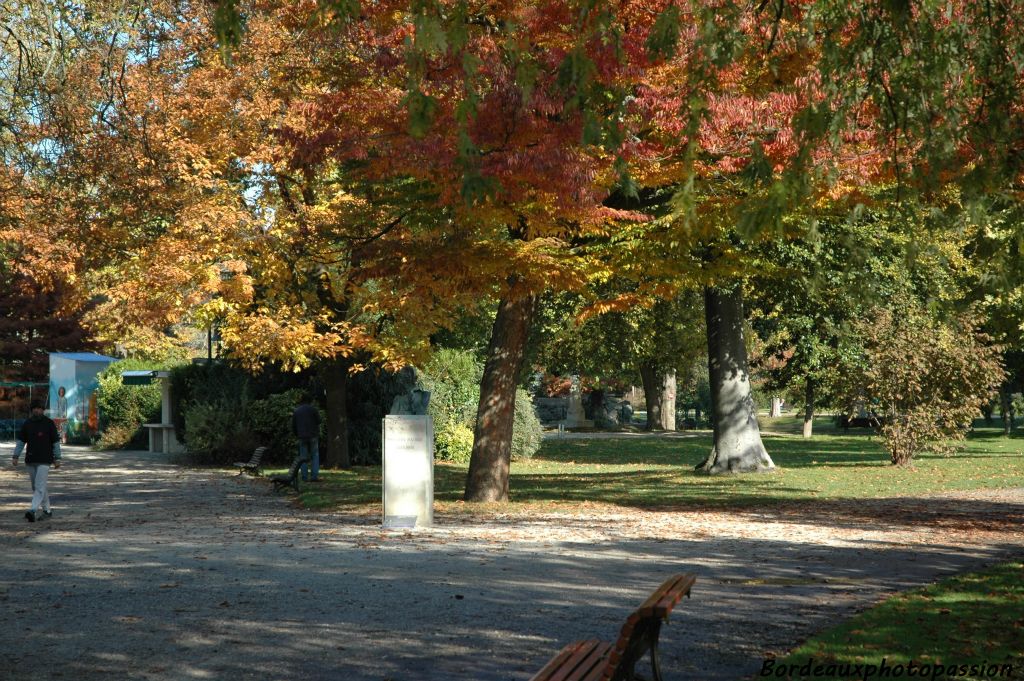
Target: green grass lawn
(972,620)
(657,473)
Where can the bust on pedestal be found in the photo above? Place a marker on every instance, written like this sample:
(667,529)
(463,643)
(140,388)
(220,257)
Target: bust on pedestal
(409,462)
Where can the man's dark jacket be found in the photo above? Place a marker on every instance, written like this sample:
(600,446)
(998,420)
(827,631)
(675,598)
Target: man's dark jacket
(306,422)
(39,435)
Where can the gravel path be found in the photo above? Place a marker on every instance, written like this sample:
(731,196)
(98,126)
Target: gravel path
(150,571)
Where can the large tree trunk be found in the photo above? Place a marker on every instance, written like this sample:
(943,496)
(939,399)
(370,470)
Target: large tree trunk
(335,377)
(492,437)
(737,444)
(651,378)
(668,400)
(1006,408)
(809,409)
(597,406)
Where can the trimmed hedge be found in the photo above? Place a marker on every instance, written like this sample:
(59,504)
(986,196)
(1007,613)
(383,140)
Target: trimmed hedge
(270,422)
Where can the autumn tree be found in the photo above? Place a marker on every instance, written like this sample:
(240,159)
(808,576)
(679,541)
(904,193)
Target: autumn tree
(726,110)
(308,195)
(34,322)
(44,49)
(926,378)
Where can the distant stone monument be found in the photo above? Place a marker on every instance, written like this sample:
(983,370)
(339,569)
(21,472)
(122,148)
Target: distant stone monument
(576,418)
(408,485)
(414,403)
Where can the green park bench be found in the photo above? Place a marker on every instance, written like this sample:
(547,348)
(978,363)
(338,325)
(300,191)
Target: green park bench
(253,464)
(595,660)
(291,478)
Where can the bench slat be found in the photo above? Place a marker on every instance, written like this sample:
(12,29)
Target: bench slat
(661,602)
(578,661)
(594,660)
(254,461)
(657,607)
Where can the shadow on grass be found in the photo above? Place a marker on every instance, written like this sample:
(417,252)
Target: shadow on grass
(829,473)
(786,451)
(968,620)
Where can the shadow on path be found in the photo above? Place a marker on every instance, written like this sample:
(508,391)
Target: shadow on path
(149,571)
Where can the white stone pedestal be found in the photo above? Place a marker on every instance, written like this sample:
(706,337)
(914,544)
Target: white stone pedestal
(408,471)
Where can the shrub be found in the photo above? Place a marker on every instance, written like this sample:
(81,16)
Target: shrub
(270,422)
(118,436)
(453,379)
(210,383)
(927,379)
(218,432)
(527,432)
(453,442)
(124,408)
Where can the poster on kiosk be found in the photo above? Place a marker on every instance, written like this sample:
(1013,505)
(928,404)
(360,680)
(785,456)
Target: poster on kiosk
(72,393)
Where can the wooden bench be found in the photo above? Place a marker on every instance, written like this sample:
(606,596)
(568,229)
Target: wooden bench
(847,422)
(253,464)
(594,660)
(291,478)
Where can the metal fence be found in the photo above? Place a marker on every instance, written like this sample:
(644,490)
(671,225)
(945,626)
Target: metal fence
(15,398)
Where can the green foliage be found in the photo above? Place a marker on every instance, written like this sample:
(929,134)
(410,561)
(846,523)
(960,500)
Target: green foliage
(527,432)
(270,422)
(453,379)
(215,382)
(664,37)
(453,442)
(124,408)
(229,26)
(422,111)
(217,432)
(694,391)
(370,394)
(219,421)
(927,378)
(216,418)
(610,346)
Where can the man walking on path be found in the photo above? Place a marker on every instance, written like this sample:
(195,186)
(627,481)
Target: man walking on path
(41,440)
(306,427)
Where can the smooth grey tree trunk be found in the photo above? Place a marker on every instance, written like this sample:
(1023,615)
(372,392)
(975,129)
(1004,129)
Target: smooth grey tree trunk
(492,436)
(651,378)
(737,437)
(668,400)
(809,409)
(775,410)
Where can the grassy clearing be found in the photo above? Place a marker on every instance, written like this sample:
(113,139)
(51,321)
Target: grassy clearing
(657,473)
(972,620)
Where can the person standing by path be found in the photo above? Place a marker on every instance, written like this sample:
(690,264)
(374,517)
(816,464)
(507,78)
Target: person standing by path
(41,441)
(306,427)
